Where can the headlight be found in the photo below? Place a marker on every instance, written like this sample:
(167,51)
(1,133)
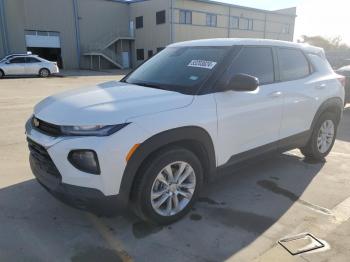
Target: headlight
(95,130)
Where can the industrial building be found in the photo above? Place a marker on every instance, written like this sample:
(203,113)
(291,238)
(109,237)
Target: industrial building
(100,34)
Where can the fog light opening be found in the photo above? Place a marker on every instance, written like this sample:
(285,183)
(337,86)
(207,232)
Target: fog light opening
(85,161)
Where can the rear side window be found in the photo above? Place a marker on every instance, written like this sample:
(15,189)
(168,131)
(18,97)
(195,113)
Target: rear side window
(255,61)
(18,60)
(32,60)
(293,64)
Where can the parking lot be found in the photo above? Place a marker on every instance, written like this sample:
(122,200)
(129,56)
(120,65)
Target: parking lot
(240,217)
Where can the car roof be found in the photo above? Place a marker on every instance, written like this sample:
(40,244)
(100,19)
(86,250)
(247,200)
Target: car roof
(248,42)
(15,56)
(345,68)
(19,54)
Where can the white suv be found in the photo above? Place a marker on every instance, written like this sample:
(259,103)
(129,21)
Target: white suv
(153,139)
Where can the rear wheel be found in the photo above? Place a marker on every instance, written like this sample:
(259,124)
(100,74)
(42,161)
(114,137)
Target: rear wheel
(168,186)
(322,138)
(44,72)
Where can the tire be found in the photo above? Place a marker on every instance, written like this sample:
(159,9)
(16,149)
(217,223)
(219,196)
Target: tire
(148,185)
(44,73)
(315,150)
(1,74)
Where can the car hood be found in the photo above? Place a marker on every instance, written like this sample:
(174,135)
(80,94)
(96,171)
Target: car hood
(109,103)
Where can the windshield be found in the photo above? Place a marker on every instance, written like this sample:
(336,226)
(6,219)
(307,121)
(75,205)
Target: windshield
(180,69)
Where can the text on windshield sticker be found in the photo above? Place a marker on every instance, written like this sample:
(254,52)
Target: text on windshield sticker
(202,64)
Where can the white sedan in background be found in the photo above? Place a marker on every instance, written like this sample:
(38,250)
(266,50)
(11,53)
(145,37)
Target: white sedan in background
(27,65)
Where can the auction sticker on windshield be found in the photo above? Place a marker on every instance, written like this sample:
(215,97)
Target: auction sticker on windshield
(202,64)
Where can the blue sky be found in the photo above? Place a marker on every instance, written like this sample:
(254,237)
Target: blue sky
(328,18)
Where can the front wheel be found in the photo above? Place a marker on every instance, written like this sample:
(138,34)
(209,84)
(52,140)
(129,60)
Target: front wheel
(44,72)
(322,139)
(1,74)
(168,186)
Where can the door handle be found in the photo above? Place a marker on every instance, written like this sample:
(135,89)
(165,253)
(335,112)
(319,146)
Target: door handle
(276,94)
(321,86)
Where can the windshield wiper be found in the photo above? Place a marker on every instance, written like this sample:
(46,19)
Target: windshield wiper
(148,85)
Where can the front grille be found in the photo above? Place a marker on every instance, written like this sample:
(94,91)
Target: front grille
(42,158)
(46,128)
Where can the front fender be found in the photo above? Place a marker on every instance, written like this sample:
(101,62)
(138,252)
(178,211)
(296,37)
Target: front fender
(161,140)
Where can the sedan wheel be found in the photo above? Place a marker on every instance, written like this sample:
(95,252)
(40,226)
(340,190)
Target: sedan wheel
(44,72)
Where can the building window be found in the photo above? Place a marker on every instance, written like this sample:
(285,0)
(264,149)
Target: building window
(285,29)
(211,20)
(139,22)
(234,22)
(245,23)
(185,17)
(160,17)
(41,33)
(140,54)
(150,53)
(159,49)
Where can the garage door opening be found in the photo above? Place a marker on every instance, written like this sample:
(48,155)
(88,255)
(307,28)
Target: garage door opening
(51,54)
(46,44)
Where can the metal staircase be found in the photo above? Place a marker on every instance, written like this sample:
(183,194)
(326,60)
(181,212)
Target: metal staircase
(107,49)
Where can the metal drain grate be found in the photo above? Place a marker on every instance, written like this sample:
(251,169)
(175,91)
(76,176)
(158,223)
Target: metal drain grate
(301,243)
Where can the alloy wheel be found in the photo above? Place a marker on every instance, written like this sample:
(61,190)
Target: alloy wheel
(173,188)
(44,73)
(325,136)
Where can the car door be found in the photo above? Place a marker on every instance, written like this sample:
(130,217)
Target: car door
(249,120)
(32,66)
(301,91)
(15,66)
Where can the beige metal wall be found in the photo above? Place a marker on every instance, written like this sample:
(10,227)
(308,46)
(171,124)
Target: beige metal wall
(99,19)
(15,22)
(2,48)
(53,15)
(151,36)
(99,22)
(265,24)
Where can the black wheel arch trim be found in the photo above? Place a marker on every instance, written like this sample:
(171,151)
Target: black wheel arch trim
(161,140)
(334,104)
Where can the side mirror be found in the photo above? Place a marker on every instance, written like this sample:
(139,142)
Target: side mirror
(243,82)
(7,62)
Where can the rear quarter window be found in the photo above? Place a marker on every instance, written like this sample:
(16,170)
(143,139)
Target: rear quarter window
(293,64)
(320,63)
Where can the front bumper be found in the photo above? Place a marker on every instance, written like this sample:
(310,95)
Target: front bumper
(84,198)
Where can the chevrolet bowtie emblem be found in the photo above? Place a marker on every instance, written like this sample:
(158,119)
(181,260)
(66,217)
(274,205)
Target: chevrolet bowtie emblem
(36,122)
